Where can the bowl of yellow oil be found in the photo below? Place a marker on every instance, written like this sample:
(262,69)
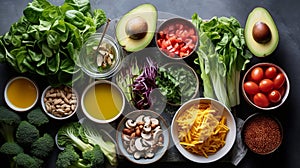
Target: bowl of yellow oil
(21,94)
(102,101)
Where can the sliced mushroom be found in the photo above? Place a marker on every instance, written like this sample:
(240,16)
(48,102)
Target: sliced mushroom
(145,135)
(156,135)
(132,145)
(138,154)
(147,120)
(149,155)
(129,150)
(126,143)
(139,119)
(138,144)
(130,124)
(147,128)
(154,121)
(147,142)
(126,137)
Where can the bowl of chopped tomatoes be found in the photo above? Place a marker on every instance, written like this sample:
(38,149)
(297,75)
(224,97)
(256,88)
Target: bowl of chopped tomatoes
(177,38)
(265,86)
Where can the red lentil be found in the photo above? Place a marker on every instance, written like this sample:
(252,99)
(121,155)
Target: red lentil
(262,134)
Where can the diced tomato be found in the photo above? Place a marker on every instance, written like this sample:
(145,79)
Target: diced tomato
(177,39)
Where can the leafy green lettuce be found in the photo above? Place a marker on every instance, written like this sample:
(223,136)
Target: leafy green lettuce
(222,55)
(47,39)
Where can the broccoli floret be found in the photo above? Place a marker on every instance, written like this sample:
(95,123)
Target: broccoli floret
(42,147)
(39,161)
(94,156)
(11,149)
(69,158)
(108,148)
(9,120)
(37,117)
(26,133)
(23,160)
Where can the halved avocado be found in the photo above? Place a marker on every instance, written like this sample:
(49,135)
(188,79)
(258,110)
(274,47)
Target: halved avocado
(261,33)
(135,30)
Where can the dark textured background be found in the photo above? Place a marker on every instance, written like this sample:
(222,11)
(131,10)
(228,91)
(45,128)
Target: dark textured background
(286,15)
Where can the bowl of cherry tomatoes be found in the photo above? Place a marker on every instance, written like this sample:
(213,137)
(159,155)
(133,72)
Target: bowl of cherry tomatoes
(177,38)
(265,86)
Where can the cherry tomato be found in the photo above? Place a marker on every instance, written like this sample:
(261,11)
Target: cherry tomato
(257,74)
(279,81)
(261,100)
(274,96)
(271,72)
(251,87)
(266,85)
(281,90)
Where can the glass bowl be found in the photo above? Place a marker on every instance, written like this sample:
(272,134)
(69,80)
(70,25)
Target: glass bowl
(102,62)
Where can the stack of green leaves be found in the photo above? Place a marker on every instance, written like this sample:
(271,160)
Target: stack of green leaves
(222,55)
(48,38)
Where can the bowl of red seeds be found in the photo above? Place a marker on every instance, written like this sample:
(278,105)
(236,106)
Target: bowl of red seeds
(262,133)
(177,38)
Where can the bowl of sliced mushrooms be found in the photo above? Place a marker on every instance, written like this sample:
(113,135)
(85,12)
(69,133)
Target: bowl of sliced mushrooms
(142,136)
(100,60)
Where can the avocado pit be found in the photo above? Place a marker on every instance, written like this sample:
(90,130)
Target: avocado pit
(261,32)
(136,28)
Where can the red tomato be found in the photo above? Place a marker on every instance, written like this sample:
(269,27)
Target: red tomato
(274,96)
(261,100)
(266,85)
(177,39)
(279,81)
(251,87)
(257,74)
(281,90)
(271,72)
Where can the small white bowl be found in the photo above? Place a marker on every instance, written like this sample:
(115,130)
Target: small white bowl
(230,137)
(92,86)
(21,94)
(52,115)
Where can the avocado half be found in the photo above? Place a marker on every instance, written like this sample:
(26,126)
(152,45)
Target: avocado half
(146,11)
(260,14)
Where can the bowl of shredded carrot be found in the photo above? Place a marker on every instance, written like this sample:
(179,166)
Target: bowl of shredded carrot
(203,130)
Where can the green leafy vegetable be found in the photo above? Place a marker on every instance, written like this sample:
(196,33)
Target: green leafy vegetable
(47,36)
(79,152)
(176,82)
(222,55)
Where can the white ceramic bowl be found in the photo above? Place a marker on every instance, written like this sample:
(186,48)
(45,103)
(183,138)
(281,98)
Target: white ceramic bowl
(230,137)
(52,115)
(92,86)
(20,94)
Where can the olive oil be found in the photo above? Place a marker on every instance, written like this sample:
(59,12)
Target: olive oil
(103,101)
(21,93)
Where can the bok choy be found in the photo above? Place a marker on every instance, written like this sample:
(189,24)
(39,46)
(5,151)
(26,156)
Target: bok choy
(222,55)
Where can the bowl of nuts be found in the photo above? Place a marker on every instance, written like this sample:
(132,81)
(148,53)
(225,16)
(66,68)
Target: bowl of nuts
(59,102)
(142,136)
